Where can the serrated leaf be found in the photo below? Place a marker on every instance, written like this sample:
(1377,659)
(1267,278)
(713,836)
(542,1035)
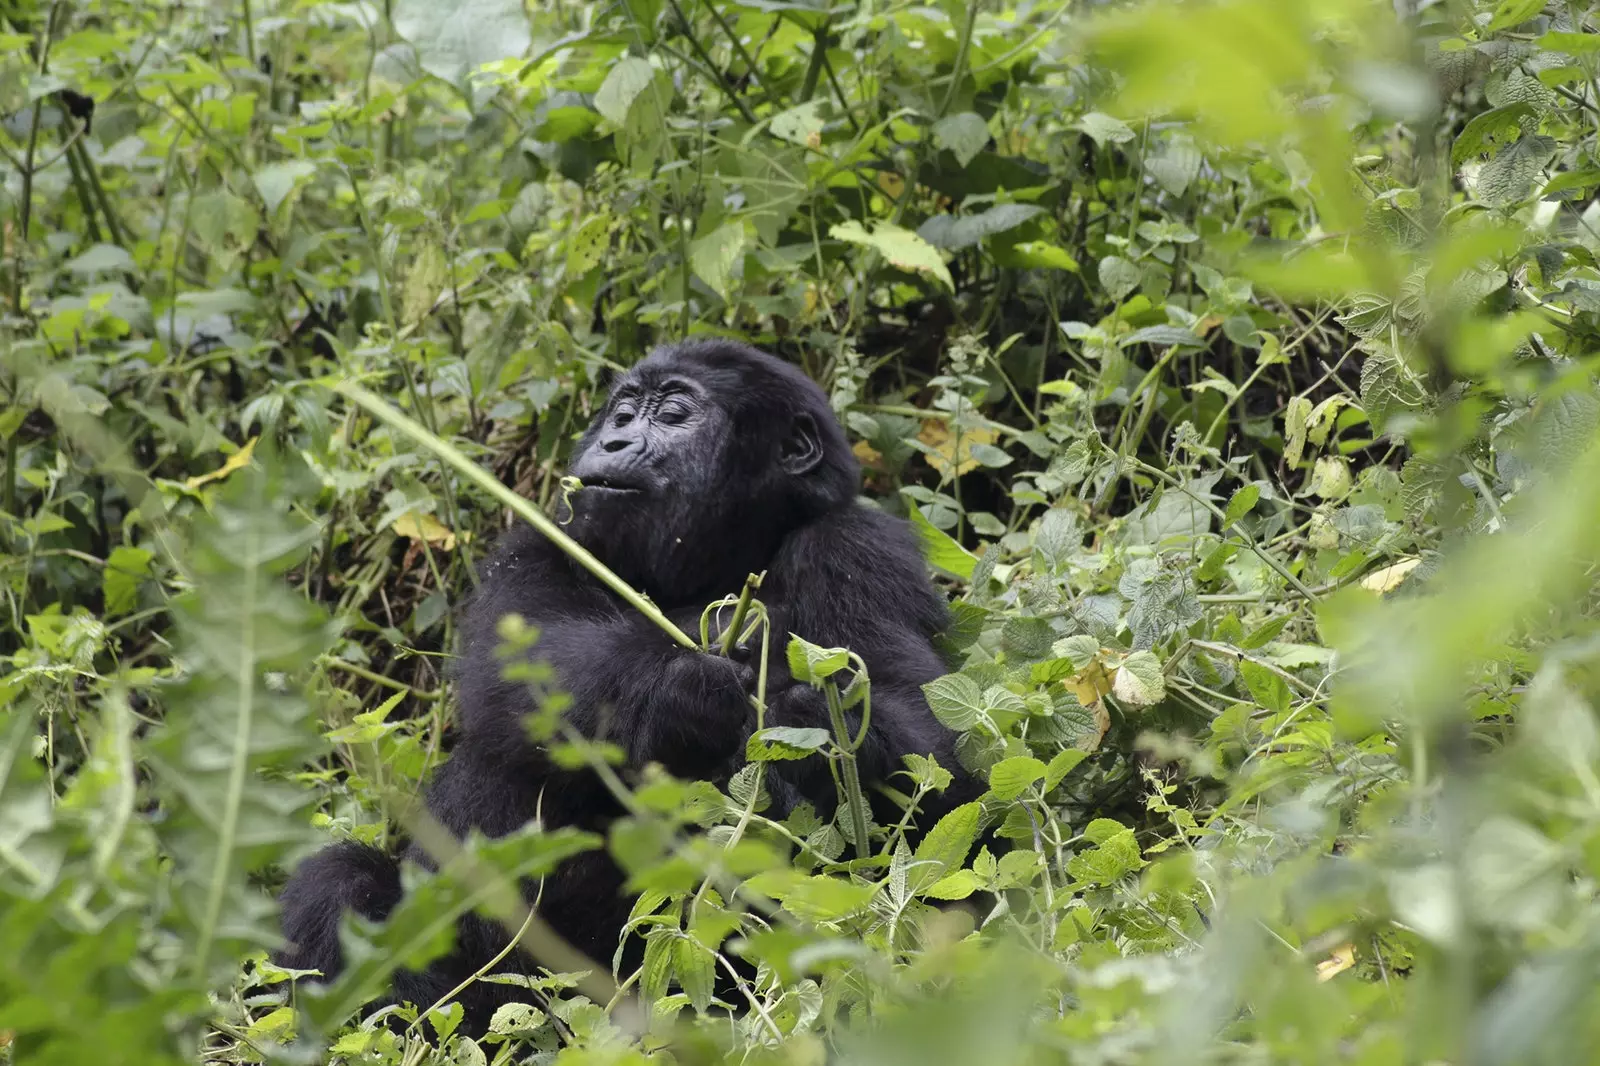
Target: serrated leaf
(1118,276)
(1240,504)
(276,181)
(946,846)
(953,233)
(126,568)
(1162,336)
(900,247)
(956,700)
(939,548)
(1508,178)
(1009,778)
(965,134)
(1485,129)
(1062,764)
(453,39)
(784,742)
(629,77)
(1140,681)
(715,255)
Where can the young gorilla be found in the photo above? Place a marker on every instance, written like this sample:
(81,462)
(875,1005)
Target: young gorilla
(710,461)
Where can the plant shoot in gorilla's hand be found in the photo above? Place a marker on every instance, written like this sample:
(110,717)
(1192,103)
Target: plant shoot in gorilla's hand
(709,462)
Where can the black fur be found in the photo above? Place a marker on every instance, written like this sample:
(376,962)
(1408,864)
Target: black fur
(743,469)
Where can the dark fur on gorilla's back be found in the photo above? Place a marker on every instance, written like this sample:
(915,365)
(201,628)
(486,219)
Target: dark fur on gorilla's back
(709,462)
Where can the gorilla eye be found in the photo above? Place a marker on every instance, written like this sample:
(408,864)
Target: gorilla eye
(674,414)
(622,417)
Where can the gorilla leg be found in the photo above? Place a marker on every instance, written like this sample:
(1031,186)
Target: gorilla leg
(341,877)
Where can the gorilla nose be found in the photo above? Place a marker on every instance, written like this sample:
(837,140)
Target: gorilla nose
(615,444)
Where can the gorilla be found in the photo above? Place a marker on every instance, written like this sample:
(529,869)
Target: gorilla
(709,462)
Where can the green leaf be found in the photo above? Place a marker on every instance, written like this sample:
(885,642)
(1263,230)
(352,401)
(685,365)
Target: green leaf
(945,847)
(1105,129)
(956,700)
(1240,504)
(1162,336)
(1036,255)
(939,548)
(453,39)
(813,665)
(784,742)
(900,247)
(715,255)
(625,81)
(1508,178)
(954,233)
(276,181)
(694,968)
(814,899)
(1140,680)
(126,568)
(1296,418)
(965,134)
(101,259)
(1510,13)
(1573,44)
(1009,778)
(1062,764)
(958,885)
(799,125)
(1481,134)
(1118,276)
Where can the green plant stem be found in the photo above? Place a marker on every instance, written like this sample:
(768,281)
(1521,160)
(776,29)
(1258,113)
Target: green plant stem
(731,634)
(452,457)
(853,796)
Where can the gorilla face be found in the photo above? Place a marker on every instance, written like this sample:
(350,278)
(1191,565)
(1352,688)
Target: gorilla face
(654,439)
(702,457)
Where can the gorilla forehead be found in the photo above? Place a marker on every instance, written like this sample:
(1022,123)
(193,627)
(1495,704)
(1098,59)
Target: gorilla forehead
(742,378)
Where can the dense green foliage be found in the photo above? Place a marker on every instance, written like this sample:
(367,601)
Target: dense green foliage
(1233,359)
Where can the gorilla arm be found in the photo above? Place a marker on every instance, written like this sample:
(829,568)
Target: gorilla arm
(628,680)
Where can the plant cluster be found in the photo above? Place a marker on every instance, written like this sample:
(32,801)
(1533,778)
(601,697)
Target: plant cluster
(1232,360)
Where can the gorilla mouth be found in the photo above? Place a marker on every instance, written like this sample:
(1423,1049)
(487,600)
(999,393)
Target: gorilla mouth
(609,485)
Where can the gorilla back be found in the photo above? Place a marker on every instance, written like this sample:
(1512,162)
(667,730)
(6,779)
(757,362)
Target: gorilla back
(710,461)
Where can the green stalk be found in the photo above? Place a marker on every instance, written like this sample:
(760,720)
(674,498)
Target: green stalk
(451,456)
(731,634)
(852,776)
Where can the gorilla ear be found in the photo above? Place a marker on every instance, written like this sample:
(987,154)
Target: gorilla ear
(802,448)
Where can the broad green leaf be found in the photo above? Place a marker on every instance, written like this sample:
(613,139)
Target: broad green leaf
(453,39)
(945,847)
(954,233)
(956,700)
(1062,764)
(276,181)
(939,548)
(625,81)
(1140,681)
(715,256)
(965,134)
(900,247)
(1009,778)
(784,742)
(1240,505)
(1119,276)
(126,568)
(813,665)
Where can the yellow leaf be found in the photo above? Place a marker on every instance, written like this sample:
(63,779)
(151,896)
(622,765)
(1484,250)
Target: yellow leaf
(936,435)
(425,527)
(891,183)
(1341,960)
(867,455)
(1388,578)
(1090,683)
(235,461)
